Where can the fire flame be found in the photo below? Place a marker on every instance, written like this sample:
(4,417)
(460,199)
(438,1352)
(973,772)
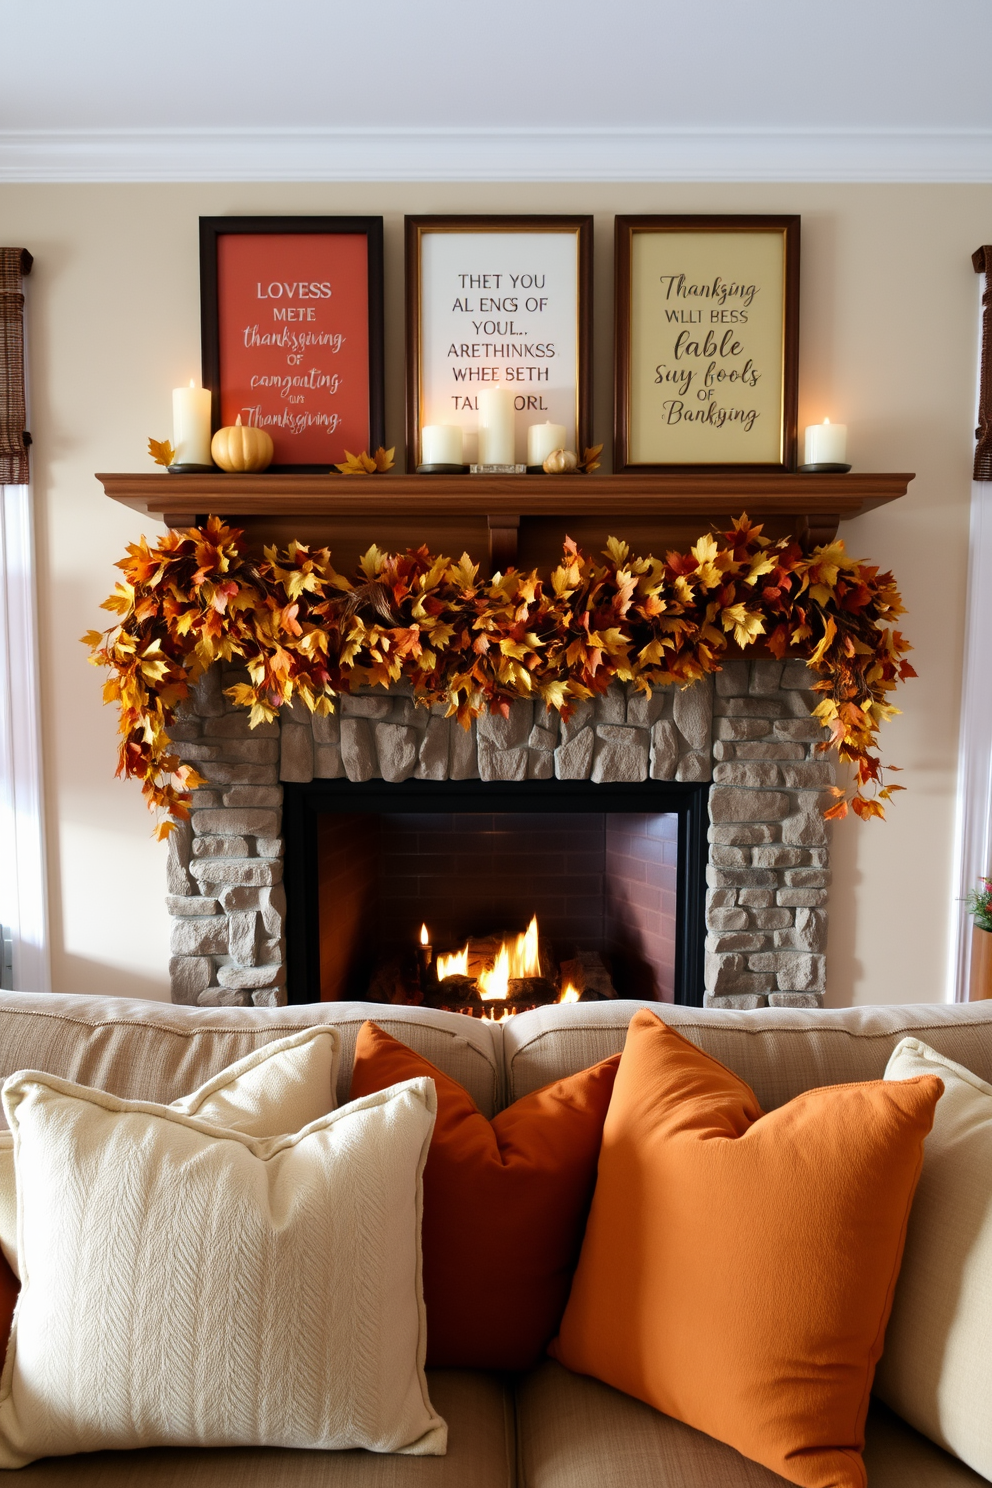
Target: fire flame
(516,958)
(424,937)
(454,965)
(569,993)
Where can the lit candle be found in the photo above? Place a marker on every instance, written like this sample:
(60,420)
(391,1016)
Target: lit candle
(826,444)
(441,444)
(542,439)
(497,421)
(425,954)
(191,425)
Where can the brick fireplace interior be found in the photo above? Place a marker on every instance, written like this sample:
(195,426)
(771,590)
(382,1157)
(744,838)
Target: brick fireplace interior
(366,869)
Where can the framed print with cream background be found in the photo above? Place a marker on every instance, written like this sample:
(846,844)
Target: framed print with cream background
(500,301)
(707,343)
(292,332)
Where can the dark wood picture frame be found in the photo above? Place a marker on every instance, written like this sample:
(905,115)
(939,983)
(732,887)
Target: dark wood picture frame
(625,230)
(415,227)
(212,228)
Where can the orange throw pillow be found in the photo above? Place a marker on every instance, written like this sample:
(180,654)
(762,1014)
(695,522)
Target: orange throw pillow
(505,1202)
(737,1270)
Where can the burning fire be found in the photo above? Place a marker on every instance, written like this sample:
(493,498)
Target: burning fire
(454,965)
(518,956)
(424,937)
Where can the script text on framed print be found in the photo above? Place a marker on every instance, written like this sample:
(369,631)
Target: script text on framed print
(707,343)
(505,299)
(292,332)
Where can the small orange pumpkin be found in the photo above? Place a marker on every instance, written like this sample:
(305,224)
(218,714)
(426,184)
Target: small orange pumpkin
(242,447)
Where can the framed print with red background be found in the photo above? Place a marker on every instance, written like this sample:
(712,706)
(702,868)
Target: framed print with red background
(292,332)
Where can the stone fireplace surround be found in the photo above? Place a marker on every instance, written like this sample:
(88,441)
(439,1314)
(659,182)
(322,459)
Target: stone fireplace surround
(748,729)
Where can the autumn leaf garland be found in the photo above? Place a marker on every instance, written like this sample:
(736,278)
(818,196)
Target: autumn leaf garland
(303,631)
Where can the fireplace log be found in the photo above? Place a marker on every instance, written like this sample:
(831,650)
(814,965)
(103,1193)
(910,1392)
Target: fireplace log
(453,991)
(588,973)
(534,990)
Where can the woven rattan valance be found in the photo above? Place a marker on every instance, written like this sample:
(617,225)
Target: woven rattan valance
(982,259)
(14,264)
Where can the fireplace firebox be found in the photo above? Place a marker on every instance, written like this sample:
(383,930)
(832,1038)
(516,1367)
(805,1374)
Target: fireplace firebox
(740,749)
(613,873)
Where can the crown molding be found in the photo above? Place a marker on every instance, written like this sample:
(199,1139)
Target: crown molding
(460,154)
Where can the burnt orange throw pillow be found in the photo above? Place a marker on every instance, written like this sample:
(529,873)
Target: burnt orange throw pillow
(737,1270)
(505,1202)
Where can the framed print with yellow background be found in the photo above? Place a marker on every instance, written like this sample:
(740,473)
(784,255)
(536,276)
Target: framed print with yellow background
(707,343)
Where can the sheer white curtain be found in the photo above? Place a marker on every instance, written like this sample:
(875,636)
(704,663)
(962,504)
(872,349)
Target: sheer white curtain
(23,910)
(974,804)
(23,900)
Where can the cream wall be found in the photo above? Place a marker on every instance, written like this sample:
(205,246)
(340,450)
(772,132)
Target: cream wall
(889,306)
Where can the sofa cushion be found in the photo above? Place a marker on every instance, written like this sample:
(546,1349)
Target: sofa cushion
(477,1407)
(780,1052)
(188,1285)
(278,1087)
(512,1192)
(573,1432)
(936,1370)
(154,1051)
(756,1251)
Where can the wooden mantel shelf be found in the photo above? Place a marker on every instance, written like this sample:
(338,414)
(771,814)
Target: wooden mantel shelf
(349,512)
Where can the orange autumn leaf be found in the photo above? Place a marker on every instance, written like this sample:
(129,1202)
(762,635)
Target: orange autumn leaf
(161,451)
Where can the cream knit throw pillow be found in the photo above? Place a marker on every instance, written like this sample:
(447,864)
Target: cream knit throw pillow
(936,1369)
(279,1087)
(187,1285)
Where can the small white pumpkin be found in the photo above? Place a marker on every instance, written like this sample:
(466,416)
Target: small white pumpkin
(561,461)
(242,447)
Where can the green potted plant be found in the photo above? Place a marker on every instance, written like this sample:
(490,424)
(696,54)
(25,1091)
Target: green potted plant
(979,903)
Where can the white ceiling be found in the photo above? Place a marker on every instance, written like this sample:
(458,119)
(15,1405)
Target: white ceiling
(322,87)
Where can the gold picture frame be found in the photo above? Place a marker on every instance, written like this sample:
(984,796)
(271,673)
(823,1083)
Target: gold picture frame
(707,343)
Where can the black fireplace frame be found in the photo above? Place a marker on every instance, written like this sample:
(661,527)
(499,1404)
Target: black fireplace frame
(303,804)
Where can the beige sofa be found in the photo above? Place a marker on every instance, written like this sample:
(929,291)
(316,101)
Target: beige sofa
(549,1429)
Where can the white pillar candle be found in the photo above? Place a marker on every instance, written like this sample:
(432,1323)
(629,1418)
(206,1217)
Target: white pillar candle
(497,426)
(542,439)
(441,444)
(191,431)
(826,444)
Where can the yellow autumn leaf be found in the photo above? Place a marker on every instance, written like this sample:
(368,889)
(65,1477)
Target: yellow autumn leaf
(161,451)
(829,631)
(362,464)
(747,626)
(371,562)
(555,694)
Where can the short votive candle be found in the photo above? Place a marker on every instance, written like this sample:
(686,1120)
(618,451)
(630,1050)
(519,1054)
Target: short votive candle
(542,439)
(826,444)
(441,444)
